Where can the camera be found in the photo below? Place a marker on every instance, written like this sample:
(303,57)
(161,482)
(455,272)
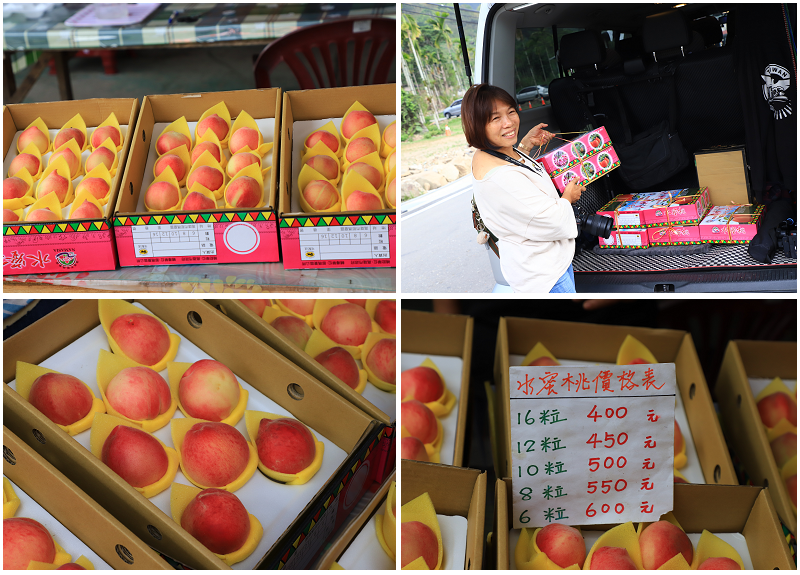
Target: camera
(593,224)
(787,237)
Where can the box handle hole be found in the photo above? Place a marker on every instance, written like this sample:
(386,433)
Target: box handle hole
(154,532)
(8,455)
(766,482)
(295,391)
(124,554)
(194,319)
(717,474)
(692,391)
(39,436)
(131,186)
(144,137)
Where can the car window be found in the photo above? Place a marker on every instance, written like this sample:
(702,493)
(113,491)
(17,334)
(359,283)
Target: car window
(535,61)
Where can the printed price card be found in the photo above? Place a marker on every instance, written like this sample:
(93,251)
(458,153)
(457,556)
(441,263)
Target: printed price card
(592,444)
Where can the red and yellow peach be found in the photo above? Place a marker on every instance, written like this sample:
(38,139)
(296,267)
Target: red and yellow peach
(240,161)
(294,328)
(87,211)
(381,359)
(26,540)
(418,540)
(325,165)
(171,161)
(25,162)
(97,187)
(141,337)
(421,383)
(64,399)
(214,454)
(358,148)
(41,215)
(35,136)
(53,184)
(563,544)
(218,520)
(775,407)
(68,134)
(197,201)
(419,421)
(661,541)
(355,121)
(169,141)
(243,192)
(135,455)
(101,134)
(285,445)
(331,141)
(412,448)
(211,178)
(162,196)
(359,201)
(320,195)
(386,315)
(101,155)
(347,324)
(611,559)
(214,123)
(209,147)
(139,393)
(243,138)
(14,188)
(208,390)
(341,364)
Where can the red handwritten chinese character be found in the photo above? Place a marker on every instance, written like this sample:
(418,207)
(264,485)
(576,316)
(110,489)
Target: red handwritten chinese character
(16,260)
(548,381)
(38,260)
(647,485)
(649,442)
(583,381)
(626,380)
(646,508)
(603,378)
(648,464)
(649,380)
(568,382)
(527,386)
(651,415)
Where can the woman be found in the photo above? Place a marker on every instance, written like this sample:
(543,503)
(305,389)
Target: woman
(519,204)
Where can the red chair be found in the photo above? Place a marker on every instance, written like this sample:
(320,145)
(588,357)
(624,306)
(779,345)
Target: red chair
(329,41)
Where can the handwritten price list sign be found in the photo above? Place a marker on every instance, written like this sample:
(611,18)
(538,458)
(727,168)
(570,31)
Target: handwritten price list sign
(592,444)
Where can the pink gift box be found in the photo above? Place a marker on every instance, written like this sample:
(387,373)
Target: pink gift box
(625,212)
(588,170)
(626,238)
(675,235)
(687,206)
(733,224)
(572,153)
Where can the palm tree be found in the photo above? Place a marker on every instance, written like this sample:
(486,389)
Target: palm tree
(410,28)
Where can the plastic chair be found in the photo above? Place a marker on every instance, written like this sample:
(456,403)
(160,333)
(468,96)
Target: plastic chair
(327,44)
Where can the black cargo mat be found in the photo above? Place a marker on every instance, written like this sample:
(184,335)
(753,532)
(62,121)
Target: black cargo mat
(718,257)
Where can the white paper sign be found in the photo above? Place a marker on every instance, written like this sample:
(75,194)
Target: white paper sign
(592,444)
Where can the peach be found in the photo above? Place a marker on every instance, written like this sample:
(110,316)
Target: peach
(421,383)
(611,559)
(293,328)
(139,393)
(214,454)
(661,541)
(14,188)
(784,448)
(240,161)
(243,192)
(676,479)
(98,187)
(361,302)
(678,443)
(299,306)
(358,148)
(418,540)
(209,147)
(214,123)
(391,192)
(65,136)
(386,315)
(218,520)
(791,487)
(381,359)
(340,363)
(71,566)
(134,455)
(637,361)
(775,407)
(102,156)
(347,324)
(389,135)
(87,210)
(362,201)
(174,162)
(33,135)
(25,161)
(64,399)
(320,195)
(355,121)
(719,563)
(544,360)
(257,305)
(53,184)
(101,134)
(10,216)
(26,540)
(41,215)
(169,141)
(413,448)
(243,138)
(370,174)
(326,137)
(391,161)
(73,161)
(419,421)
(197,201)
(141,337)
(208,390)
(285,445)
(206,176)
(562,544)
(162,196)
(325,165)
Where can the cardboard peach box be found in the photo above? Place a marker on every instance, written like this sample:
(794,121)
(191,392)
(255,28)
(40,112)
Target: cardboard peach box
(284,383)
(367,239)
(75,510)
(454,491)
(717,508)
(600,343)
(180,237)
(734,224)
(739,413)
(65,245)
(634,238)
(678,235)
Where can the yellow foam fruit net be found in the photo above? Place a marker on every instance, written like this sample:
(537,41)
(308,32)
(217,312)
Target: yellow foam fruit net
(386,524)
(537,351)
(10,500)
(104,424)
(631,349)
(252,420)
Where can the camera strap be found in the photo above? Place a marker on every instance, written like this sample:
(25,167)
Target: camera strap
(536,169)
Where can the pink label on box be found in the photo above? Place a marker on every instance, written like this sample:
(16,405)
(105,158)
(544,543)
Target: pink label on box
(627,238)
(42,248)
(674,235)
(370,243)
(178,240)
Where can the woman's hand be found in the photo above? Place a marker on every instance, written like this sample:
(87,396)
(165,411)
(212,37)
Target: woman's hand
(538,136)
(573,191)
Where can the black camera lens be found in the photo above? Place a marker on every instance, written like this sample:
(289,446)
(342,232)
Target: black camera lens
(598,225)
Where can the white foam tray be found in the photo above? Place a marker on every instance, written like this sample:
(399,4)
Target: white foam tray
(451,368)
(275,505)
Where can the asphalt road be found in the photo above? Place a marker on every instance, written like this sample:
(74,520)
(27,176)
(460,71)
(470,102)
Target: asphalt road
(439,251)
